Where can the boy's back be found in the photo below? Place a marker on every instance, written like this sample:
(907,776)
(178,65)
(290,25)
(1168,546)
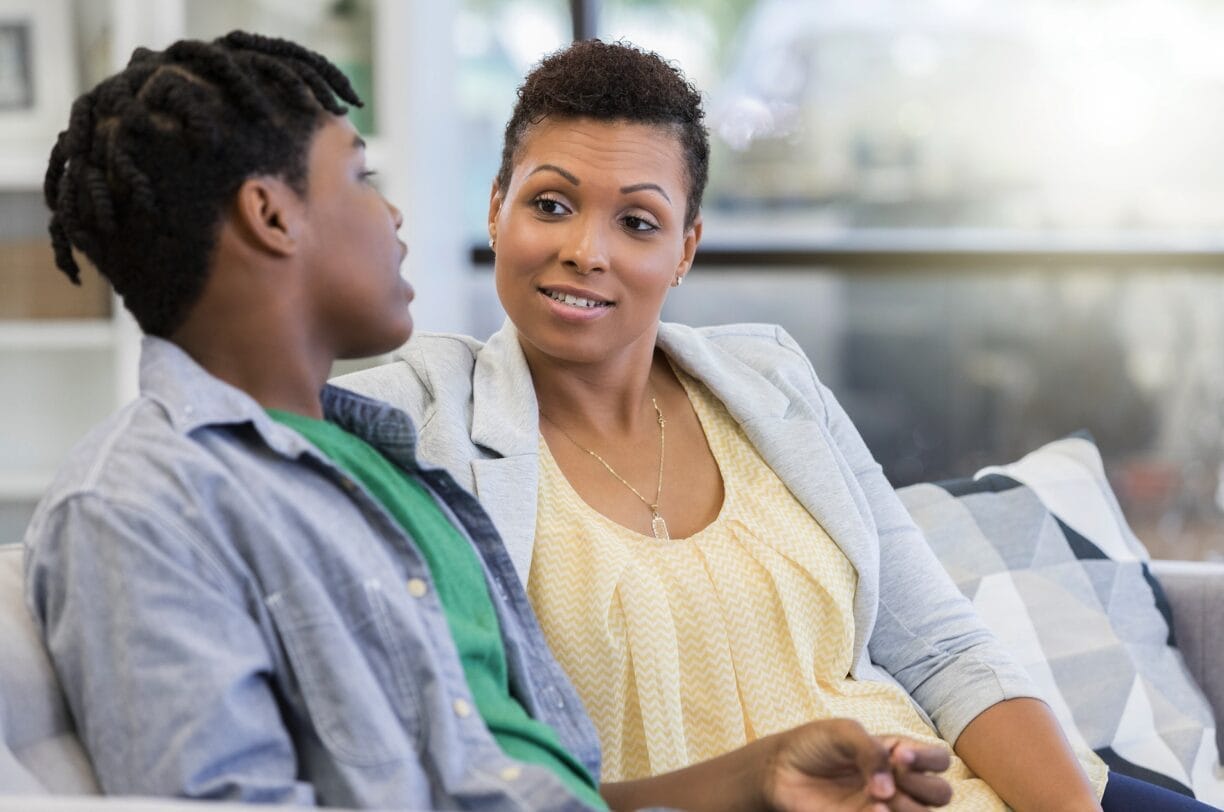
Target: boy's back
(278,635)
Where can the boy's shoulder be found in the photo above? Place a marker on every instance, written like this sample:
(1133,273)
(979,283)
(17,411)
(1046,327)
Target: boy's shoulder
(109,454)
(139,459)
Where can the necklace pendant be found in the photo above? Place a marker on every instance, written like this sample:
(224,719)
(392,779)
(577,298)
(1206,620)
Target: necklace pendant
(660,528)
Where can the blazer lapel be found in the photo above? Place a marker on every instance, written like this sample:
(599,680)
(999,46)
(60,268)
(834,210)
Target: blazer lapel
(500,487)
(791,437)
(505,420)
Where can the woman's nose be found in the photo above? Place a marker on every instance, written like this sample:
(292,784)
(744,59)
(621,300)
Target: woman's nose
(585,248)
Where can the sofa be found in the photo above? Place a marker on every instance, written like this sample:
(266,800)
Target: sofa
(43,766)
(40,756)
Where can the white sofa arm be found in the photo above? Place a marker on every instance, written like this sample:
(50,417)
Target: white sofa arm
(1196,596)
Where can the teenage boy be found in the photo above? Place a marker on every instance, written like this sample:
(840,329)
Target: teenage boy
(248,585)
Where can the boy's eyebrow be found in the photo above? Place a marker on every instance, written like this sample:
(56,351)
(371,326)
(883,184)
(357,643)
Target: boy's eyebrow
(567,175)
(638,187)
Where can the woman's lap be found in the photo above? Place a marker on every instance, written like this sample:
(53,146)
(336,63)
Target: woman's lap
(1124,794)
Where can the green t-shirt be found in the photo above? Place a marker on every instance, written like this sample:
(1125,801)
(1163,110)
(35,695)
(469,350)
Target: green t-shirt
(464,594)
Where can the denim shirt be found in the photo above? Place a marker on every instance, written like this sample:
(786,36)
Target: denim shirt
(232,617)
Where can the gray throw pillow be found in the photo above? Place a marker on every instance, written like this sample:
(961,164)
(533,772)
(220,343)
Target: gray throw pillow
(1042,549)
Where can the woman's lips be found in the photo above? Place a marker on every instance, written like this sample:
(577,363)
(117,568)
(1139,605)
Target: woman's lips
(572,306)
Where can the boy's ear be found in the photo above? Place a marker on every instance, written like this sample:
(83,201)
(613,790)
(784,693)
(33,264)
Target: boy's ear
(267,213)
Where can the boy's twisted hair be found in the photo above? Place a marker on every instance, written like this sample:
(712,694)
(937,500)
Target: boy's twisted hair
(151,157)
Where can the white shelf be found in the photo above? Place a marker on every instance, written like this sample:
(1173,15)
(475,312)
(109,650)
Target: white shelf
(23,487)
(56,334)
(21,176)
(23,171)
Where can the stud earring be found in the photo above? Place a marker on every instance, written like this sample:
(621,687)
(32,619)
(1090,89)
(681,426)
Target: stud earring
(492,243)
(678,281)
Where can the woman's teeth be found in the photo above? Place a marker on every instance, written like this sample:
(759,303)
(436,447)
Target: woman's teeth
(575,301)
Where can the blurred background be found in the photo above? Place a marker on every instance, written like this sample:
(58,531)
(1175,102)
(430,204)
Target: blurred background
(989,222)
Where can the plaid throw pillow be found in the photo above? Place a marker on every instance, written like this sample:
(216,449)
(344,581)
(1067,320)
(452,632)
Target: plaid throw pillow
(1042,549)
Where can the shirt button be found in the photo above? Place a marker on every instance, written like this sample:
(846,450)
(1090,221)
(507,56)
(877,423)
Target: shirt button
(510,773)
(417,588)
(462,709)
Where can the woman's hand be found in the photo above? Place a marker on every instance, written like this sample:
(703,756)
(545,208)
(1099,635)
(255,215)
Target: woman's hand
(835,765)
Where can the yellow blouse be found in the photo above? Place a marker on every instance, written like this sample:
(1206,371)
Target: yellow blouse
(685,650)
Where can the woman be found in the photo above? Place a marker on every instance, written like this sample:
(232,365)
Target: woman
(711,550)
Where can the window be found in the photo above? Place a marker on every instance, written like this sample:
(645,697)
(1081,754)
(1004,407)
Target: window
(988,223)
(1047,118)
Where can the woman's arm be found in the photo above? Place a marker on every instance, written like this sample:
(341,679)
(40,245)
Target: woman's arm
(831,765)
(1017,747)
(930,638)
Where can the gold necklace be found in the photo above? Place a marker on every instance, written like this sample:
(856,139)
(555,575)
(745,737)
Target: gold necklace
(657,525)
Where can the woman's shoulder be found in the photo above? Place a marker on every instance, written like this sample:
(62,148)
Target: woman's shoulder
(446,354)
(736,337)
(429,366)
(750,362)
(763,347)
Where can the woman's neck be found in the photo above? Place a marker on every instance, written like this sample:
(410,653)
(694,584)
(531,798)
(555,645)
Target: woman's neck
(608,398)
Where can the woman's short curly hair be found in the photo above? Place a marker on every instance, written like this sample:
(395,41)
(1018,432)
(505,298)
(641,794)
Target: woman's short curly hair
(613,81)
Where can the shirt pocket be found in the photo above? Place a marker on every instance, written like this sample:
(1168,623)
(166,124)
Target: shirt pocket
(339,648)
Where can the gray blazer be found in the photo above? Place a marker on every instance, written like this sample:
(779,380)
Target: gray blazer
(478,418)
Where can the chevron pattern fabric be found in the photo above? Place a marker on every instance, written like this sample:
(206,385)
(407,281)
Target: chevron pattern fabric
(685,650)
(1042,549)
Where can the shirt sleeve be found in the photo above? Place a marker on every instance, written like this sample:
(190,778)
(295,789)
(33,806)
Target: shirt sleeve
(165,669)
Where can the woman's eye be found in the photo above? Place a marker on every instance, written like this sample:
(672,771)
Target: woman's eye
(546,205)
(366,175)
(639,224)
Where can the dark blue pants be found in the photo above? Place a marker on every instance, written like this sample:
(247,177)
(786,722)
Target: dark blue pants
(1126,794)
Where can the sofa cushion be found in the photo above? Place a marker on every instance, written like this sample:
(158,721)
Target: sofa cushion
(39,752)
(1042,549)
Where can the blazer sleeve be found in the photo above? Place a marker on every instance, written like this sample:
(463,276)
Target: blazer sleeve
(927,634)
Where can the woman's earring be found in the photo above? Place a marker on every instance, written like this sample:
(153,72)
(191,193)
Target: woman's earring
(679,280)
(492,243)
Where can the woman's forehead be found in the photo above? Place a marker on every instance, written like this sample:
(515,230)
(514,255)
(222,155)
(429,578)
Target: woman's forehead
(597,145)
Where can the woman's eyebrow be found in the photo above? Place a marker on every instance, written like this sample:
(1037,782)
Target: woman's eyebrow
(638,187)
(567,175)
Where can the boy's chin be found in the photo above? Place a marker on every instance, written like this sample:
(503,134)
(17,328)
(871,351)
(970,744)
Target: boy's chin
(380,345)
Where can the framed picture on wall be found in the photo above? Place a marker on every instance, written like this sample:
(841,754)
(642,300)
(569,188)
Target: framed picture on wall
(37,85)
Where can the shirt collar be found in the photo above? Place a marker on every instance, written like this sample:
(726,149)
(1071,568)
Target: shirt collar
(194,398)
